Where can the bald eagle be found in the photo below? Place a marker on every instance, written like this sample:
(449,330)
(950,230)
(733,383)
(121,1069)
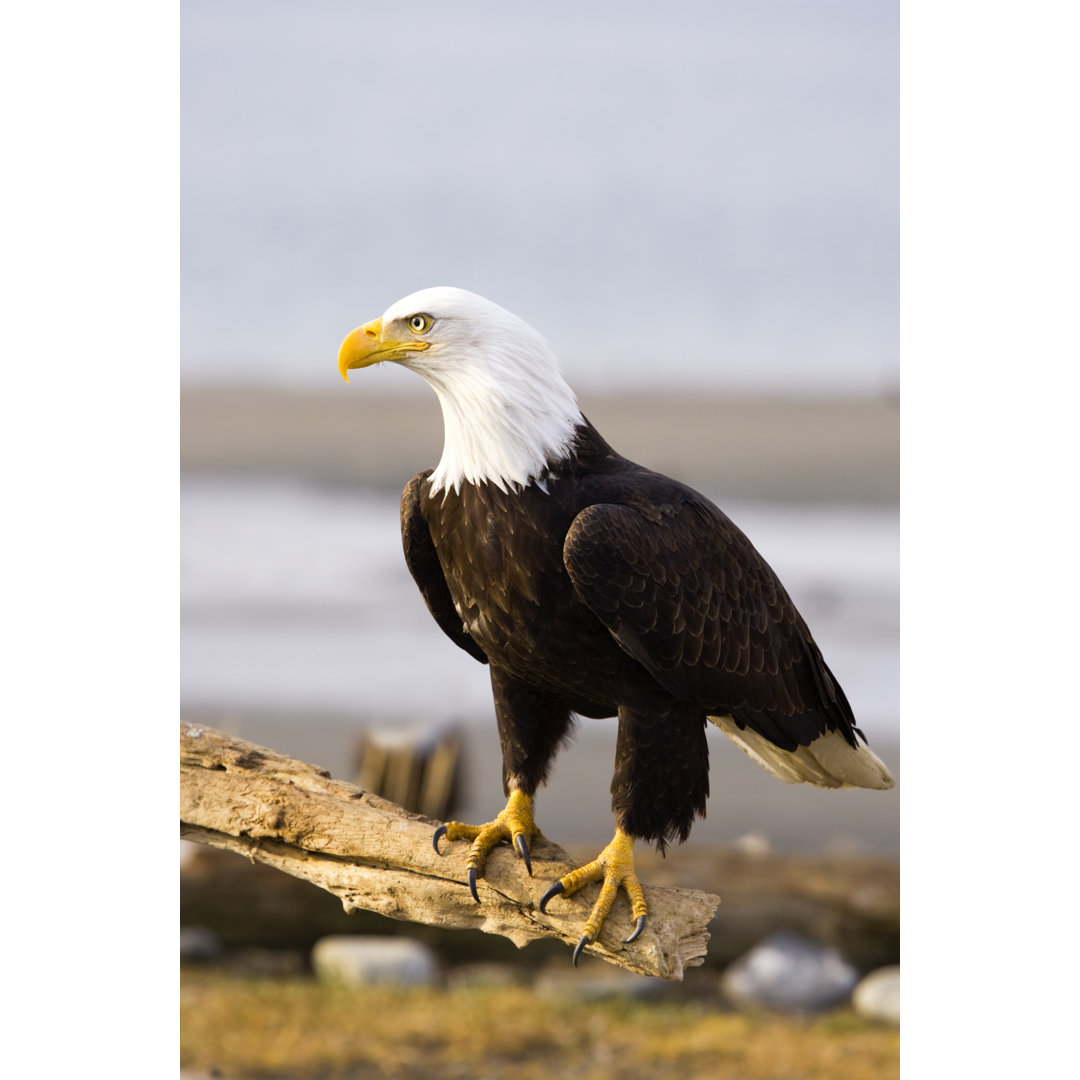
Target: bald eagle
(592,586)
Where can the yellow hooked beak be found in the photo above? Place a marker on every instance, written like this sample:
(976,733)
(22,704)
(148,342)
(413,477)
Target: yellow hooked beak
(366,346)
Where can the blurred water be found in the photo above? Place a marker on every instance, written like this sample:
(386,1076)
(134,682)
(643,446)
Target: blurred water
(297,597)
(689,194)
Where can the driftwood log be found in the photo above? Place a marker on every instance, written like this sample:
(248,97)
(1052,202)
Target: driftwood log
(375,856)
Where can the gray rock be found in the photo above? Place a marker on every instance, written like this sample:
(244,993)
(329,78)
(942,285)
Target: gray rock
(198,945)
(877,997)
(790,974)
(366,961)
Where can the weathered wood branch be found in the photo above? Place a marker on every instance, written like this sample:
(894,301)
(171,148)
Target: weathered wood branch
(373,855)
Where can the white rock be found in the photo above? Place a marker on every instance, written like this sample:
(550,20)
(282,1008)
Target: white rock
(791,974)
(877,997)
(753,843)
(357,960)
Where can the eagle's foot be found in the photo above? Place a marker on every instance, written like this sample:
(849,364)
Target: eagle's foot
(514,825)
(615,867)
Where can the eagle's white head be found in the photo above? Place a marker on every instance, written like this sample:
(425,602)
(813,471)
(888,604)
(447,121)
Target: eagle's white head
(507,411)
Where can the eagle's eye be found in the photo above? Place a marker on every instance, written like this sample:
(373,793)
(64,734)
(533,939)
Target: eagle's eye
(419,323)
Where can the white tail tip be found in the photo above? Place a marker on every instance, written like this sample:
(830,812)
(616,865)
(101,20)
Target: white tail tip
(829,761)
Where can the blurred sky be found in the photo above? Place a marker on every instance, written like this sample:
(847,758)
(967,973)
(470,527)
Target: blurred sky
(690,193)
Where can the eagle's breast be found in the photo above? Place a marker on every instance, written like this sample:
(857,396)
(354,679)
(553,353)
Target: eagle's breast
(502,556)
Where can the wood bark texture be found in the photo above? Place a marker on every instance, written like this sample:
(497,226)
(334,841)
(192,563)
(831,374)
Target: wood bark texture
(373,855)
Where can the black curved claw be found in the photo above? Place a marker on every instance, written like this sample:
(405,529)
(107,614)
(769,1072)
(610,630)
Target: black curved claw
(555,890)
(637,930)
(585,940)
(472,885)
(523,851)
(440,832)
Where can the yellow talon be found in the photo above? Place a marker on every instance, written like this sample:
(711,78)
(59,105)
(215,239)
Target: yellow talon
(615,867)
(514,825)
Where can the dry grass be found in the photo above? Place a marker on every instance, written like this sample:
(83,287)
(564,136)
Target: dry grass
(237,1026)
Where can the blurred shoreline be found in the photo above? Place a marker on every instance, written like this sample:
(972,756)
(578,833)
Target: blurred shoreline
(803,449)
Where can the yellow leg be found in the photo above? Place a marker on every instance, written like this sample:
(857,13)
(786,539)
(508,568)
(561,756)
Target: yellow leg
(615,867)
(514,825)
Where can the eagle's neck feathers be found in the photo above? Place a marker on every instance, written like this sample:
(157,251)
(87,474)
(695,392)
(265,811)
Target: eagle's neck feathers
(508,414)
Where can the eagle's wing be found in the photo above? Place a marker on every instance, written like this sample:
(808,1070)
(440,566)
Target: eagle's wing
(423,563)
(686,594)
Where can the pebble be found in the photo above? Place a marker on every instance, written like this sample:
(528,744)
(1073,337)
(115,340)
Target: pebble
(198,945)
(755,844)
(877,997)
(789,973)
(357,960)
